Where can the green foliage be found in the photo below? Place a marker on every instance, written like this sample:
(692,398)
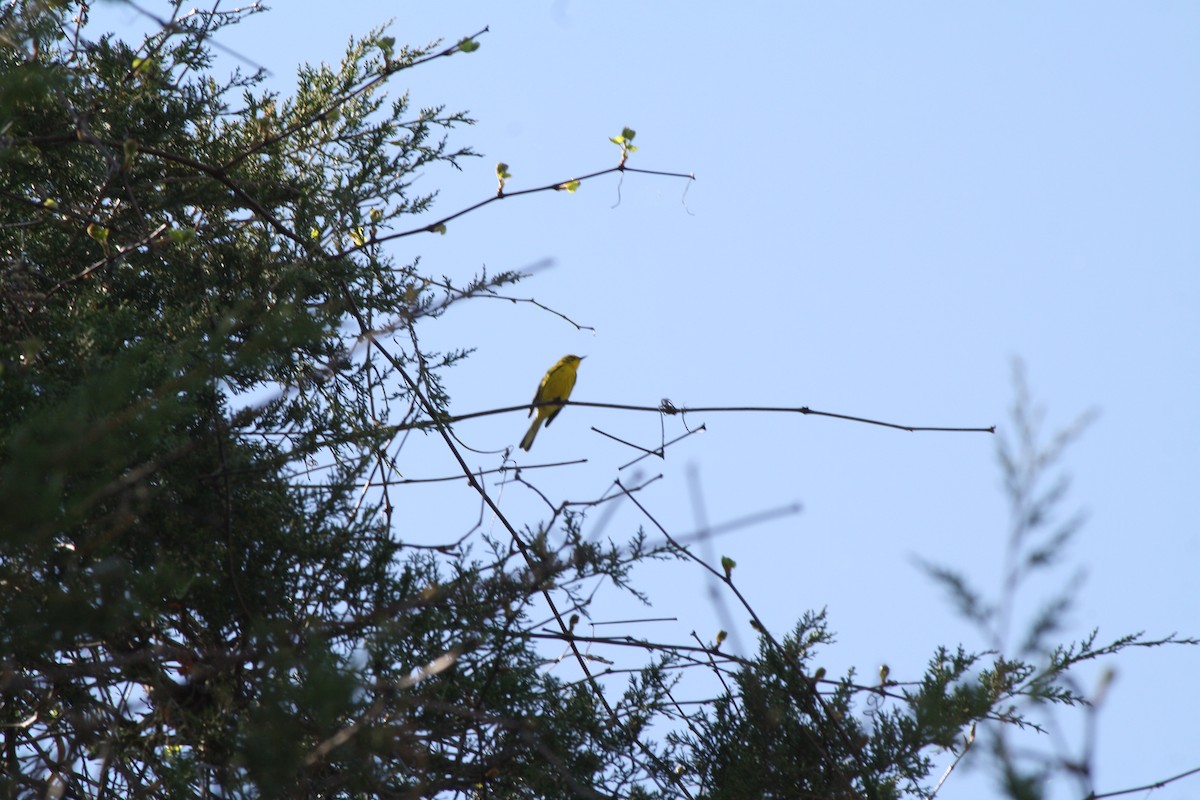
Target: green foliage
(177,279)
(624,140)
(204,592)
(780,729)
(502,175)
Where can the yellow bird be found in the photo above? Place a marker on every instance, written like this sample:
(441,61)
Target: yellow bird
(556,385)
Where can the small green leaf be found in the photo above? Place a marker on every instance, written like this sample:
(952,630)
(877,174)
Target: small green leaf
(439,228)
(569,186)
(728,564)
(468,45)
(30,349)
(181,235)
(358,236)
(130,150)
(100,234)
(412,293)
(625,142)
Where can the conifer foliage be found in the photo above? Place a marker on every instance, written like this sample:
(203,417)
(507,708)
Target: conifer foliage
(206,353)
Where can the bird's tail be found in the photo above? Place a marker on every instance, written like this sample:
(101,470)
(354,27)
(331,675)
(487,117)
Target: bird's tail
(527,442)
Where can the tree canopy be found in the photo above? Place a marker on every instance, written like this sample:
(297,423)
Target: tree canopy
(206,348)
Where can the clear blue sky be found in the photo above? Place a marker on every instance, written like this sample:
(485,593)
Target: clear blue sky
(892,202)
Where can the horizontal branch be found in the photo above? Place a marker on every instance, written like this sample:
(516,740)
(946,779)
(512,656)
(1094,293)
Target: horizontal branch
(1149,786)
(666,407)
